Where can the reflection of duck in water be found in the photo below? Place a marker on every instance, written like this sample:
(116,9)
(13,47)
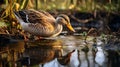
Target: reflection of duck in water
(60,61)
(41,23)
(41,51)
(64,60)
(69,60)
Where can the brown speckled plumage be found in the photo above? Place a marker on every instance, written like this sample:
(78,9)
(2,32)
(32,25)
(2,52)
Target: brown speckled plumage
(41,23)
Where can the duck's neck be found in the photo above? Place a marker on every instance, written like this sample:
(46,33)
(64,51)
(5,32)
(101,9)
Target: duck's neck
(58,29)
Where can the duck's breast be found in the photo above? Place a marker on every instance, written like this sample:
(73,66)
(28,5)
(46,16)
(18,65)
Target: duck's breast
(39,29)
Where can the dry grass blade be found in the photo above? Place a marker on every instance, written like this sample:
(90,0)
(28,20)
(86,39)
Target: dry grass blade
(9,9)
(24,4)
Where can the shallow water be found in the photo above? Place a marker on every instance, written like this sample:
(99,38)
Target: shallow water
(61,51)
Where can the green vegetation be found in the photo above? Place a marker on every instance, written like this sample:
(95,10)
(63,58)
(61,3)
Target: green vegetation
(8,6)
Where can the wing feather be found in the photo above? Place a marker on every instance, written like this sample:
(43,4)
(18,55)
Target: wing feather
(33,16)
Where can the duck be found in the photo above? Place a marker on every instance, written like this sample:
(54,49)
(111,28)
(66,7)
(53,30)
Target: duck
(41,23)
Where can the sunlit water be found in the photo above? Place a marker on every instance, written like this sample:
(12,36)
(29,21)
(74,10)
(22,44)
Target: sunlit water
(61,51)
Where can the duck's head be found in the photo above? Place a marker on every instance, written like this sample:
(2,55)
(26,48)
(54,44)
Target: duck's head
(64,20)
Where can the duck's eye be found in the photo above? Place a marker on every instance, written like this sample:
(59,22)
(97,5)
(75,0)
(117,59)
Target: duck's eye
(60,19)
(63,21)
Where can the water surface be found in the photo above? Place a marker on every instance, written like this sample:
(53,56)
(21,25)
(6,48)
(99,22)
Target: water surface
(61,51)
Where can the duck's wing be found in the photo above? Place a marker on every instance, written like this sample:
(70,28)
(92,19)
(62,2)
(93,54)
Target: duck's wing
(47,14)
(33,16)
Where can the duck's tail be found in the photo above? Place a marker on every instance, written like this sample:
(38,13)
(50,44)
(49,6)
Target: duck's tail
(17,15)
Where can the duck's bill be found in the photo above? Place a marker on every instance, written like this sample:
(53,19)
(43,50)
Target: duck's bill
(70,27)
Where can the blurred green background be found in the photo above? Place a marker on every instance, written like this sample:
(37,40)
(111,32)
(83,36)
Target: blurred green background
(81,5)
